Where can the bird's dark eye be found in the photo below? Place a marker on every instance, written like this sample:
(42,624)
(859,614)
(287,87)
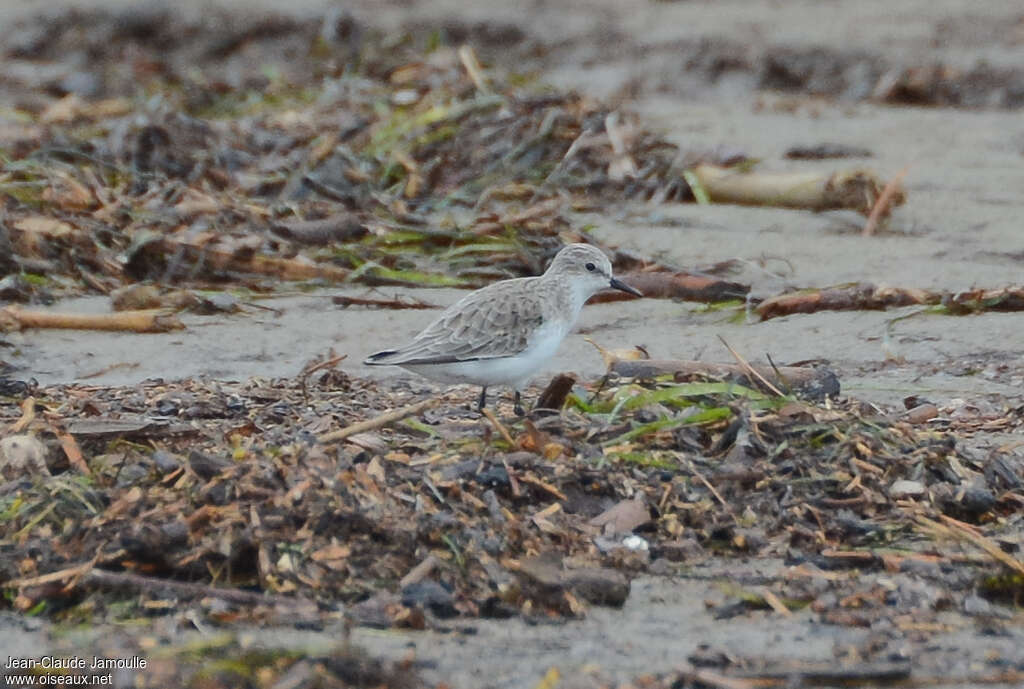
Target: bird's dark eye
(591,267)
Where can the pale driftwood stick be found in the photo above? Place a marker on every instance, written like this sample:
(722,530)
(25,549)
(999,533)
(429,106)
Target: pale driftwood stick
(856,189)
(813,382)
(141,321)
(419,572)
(378,421)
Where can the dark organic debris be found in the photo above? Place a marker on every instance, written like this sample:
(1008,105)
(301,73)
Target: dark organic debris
(433,500)
(301,151)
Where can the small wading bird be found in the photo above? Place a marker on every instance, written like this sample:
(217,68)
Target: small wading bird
(501,334)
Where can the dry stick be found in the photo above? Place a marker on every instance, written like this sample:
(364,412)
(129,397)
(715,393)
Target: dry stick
(140,321)
(544,485)
(750,370)
(883,201)
(777,605)
(122,580)
(964,532)
(50,577)
(107,369)
(513,482)
(473,68)
(310,370)
(378,422)
(720,681)
(396,303)
(847,189)
(718,496)
(498,425)
(419,572)
(28,415)
(70,446)
(329,363)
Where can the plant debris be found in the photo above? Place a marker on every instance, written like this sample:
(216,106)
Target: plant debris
(157,158)
(307,151)
(237,497)
(866,296)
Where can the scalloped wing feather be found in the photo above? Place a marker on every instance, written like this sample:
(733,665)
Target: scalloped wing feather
(486,324)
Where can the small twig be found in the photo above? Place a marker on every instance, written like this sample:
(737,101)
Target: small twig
(778,373)
(107,369)
(499,427)
(513,482)
(397,303)
(883,201)
(964,532)
(718,496)
(50,577)
(750,370)
(68,443)
(720,681)
(310,369)
(379,421)
(329,363)
(777,605)
(124,580)
(28,415)
(419,572)
(543,485)
(473,68)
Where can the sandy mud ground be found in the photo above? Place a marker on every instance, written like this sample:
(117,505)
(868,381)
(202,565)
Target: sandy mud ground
(961,227)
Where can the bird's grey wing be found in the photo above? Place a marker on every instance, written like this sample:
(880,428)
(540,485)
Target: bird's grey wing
(485,324)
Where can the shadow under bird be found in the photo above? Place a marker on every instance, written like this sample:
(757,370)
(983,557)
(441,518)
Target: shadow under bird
(503,333)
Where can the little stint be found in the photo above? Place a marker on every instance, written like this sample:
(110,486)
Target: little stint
(501,334)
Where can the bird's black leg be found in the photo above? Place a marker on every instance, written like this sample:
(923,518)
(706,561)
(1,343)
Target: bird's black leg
(483,400)
(518,408)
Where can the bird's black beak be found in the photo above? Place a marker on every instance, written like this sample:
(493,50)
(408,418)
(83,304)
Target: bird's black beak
(624,287)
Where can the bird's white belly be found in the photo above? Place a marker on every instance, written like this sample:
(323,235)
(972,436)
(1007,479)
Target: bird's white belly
(508,370)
